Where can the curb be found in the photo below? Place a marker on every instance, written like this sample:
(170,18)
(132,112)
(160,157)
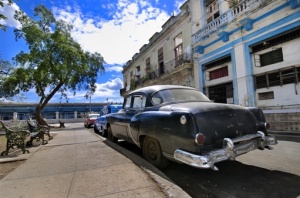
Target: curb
(288,133)
(166,184)
(170,189)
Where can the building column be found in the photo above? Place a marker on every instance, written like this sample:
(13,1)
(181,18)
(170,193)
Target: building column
(15,116)
(75,114)
(57,115)
(241,76)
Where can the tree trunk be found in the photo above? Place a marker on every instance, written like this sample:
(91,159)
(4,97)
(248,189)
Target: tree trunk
(38,115)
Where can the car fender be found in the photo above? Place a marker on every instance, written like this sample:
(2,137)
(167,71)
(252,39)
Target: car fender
(164,126)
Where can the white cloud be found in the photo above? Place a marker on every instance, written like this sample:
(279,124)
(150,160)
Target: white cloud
(109,90)
(116,68)
(8,11)
(117,40)
(115,84)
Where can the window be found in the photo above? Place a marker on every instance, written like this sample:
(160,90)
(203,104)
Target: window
(278,78)
(218,73)
(261,82)
(288,76)
(138,71)
(161,68)
(222,93)
(148,62)
(285,37)
(160,55)
(212,10)
(274,79)
(178,50)
(139,101)
(178,40)
(266,95)
(127,102)
(217,62)
(178,95)
(272,57)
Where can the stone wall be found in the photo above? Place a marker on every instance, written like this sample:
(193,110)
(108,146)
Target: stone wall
(182,76)
(284,121)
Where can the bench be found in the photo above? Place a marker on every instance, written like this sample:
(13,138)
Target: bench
(15,136)
(37,133)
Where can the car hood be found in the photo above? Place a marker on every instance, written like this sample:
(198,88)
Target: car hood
(218,121)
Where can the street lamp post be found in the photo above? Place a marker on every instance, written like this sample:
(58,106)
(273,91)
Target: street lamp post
(90,103)
(90,93)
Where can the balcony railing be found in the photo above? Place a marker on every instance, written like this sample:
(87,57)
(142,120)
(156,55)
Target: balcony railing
(180,60)
(153,75)
(242,8)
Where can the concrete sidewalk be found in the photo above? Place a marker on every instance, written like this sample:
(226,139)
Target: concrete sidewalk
(79,163)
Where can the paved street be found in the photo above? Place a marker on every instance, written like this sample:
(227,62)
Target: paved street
(258,174)
(269,173)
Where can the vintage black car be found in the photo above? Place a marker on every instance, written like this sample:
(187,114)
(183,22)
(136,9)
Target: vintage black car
(179,123)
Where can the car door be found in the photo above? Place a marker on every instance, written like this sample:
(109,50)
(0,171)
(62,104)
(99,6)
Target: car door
(119,127)
(137,106)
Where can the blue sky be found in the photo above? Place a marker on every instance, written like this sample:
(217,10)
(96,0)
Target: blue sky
(117,29)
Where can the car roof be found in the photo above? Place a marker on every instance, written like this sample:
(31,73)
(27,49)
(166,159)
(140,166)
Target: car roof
(155,88)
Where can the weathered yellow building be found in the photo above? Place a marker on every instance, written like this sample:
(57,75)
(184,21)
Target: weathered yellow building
(166,59)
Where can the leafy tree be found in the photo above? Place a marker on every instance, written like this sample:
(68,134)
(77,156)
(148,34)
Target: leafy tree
(3,27)
(5,67)
(5,70)
(55,61)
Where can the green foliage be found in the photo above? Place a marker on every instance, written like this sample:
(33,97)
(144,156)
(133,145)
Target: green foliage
(233,3)
(55,61)
(5,67)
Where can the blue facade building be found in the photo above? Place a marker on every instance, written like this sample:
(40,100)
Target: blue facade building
(247,53)
(51,111)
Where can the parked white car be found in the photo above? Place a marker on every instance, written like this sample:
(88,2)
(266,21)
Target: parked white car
(90,119)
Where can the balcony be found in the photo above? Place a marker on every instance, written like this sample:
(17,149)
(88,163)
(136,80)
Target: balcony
(156,76)
(241,9)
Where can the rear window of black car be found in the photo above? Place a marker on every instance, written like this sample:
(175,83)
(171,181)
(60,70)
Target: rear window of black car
(178,95)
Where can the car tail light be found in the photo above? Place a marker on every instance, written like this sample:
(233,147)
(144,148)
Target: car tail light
(200,138)
(267,125)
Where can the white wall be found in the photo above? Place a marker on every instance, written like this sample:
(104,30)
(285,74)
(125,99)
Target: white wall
(291,57)
(286,95)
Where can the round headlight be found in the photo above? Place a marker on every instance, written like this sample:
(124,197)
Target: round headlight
(183,120)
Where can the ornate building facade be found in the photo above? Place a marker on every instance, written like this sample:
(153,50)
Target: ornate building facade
(166,59)
(243,52)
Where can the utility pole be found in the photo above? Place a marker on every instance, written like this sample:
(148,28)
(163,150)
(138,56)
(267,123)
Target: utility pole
(89,94)
(90,103)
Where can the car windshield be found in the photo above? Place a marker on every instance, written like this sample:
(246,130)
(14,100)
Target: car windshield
(178,95)
(93,115)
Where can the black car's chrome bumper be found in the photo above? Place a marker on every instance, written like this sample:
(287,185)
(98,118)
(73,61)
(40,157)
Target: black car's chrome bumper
(231,149)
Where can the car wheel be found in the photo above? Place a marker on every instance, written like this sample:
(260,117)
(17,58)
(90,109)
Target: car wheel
(153,154)
(104,133)
(95,129)
(110,135)
(101,131)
